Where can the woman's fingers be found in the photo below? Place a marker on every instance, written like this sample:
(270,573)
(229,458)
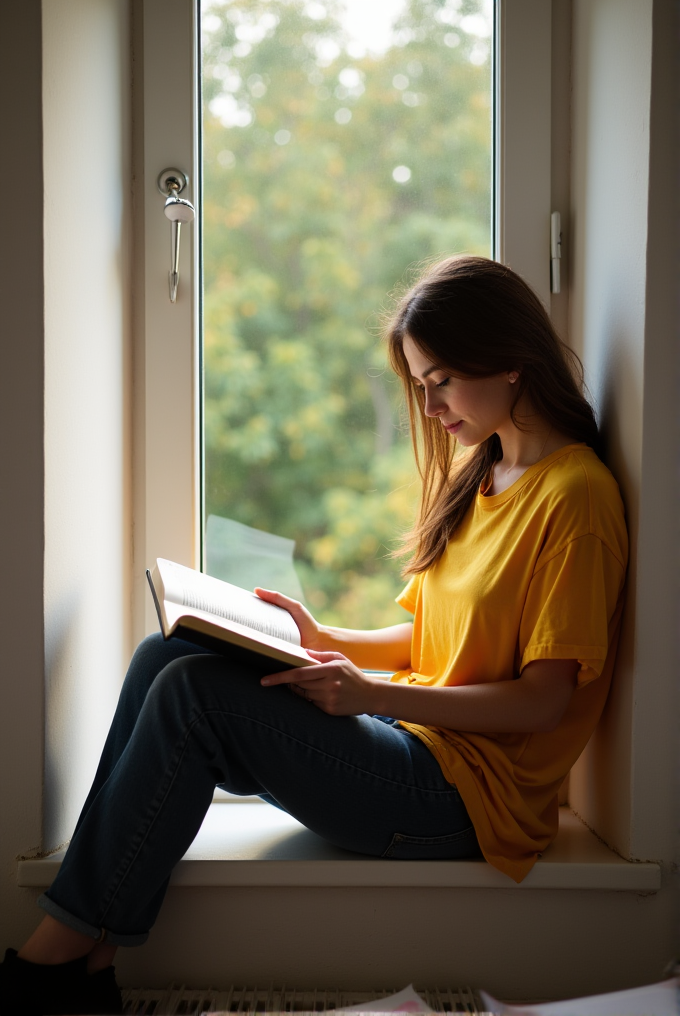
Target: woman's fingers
(335,685)
(303,675)
(307,626)
(280,599)
(325,656)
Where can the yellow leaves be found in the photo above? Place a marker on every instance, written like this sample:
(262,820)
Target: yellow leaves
(347,527)
(257,425)
(324,551)
(289,353)
(367,601)
(310,423)
(312,246)
(335,166)
(327,270)
(479,101)
(311,417)
(281,201)
(369,545)
(292,429)
(240,211)
(335,403)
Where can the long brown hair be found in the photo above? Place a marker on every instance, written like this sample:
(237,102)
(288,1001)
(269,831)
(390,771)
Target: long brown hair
(475,318)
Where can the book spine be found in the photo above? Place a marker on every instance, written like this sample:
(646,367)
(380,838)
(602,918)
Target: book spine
(156,603)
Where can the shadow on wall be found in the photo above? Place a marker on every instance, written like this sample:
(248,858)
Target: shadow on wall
(60,694)
(600,779)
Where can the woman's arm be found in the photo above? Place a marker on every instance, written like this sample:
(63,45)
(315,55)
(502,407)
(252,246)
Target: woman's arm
(535,702)
(381,649)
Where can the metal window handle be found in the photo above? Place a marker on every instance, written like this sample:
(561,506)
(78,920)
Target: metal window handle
(555,251)
(171,183)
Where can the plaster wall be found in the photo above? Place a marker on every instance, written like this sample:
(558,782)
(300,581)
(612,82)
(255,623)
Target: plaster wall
(516,944)
(624,784)
(87,211)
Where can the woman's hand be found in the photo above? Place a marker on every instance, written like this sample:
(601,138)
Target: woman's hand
(386,649)
(335,685)
(310,630)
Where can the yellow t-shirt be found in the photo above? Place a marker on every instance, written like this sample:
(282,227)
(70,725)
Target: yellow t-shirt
(534,573)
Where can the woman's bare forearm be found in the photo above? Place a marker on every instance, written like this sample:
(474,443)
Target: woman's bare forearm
(536,701)
(380,649)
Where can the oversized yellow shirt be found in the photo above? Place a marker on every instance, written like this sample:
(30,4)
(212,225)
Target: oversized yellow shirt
(534,573)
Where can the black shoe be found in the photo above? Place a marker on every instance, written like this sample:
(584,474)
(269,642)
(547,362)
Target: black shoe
(36,989)
(104,993)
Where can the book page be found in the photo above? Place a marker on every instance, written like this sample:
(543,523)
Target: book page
(193,589)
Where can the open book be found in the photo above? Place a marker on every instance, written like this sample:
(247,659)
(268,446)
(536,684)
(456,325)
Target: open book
(225,618)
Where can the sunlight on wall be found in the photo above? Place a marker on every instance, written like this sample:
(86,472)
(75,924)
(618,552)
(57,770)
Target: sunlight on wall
(86,160)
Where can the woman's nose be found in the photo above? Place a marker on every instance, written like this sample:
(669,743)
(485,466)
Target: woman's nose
(434,404)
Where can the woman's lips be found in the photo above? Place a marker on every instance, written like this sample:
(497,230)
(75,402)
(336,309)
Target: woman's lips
(453,427)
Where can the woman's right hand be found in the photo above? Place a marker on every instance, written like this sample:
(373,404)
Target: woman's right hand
(310,630)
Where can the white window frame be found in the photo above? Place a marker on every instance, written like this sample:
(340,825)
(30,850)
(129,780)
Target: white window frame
(522,172)
(168,477)
(167,362)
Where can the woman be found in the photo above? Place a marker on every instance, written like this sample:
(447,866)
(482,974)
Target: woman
(517,568)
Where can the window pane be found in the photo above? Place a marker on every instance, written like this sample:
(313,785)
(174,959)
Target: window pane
(344,142)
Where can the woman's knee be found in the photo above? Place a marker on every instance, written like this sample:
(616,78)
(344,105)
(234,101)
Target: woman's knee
(205,682)
(154,653)
(149,659)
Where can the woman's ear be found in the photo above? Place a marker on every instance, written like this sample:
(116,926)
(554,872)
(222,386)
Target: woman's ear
(512,376)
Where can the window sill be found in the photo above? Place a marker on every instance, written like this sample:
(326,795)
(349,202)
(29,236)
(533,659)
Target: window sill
(244,845)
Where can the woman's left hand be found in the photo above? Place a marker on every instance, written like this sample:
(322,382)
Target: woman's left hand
(336,686)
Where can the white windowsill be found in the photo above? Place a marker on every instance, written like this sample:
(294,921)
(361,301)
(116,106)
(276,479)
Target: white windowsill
(249,845)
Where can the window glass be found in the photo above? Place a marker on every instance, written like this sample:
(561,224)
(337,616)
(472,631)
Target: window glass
(343,144)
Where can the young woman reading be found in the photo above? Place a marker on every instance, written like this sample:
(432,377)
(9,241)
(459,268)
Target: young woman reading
(517,564)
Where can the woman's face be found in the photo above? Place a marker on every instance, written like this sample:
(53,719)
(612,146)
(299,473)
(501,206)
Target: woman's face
(471,408)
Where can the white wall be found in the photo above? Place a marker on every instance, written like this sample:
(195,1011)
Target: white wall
(624,785)
(65,532)
(87,164)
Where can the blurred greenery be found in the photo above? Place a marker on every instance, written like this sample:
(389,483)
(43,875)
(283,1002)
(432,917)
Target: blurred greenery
(329,174)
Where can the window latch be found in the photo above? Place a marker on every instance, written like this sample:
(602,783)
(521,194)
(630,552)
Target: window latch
(171,183)
(555,251)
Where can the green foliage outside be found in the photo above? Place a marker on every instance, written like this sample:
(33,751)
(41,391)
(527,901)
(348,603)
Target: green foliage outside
(307,235)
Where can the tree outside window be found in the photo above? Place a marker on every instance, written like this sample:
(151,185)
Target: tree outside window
(334,165)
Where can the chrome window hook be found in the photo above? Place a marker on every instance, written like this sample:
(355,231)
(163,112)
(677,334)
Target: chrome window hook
(171,183)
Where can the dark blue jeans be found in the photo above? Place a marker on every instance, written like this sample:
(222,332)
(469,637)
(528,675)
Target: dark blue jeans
(188,720)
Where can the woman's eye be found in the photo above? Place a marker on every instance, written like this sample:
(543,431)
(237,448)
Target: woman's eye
(443,384)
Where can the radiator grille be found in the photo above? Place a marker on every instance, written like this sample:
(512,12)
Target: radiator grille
(180,1001)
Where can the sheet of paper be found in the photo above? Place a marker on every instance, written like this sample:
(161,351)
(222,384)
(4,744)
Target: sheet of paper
(662,999)
(250,557)
(407,1000)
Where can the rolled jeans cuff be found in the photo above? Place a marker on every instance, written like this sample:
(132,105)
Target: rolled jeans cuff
(100,935)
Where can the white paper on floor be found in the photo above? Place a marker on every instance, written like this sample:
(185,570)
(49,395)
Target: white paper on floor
(407,1000)
(662,999)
